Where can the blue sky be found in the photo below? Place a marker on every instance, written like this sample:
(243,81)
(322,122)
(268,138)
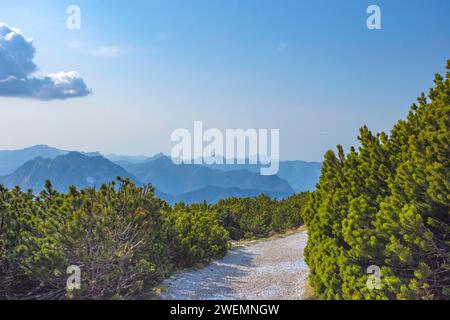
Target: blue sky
(310,68)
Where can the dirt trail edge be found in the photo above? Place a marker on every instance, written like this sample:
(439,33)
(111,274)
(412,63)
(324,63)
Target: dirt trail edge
(272,269)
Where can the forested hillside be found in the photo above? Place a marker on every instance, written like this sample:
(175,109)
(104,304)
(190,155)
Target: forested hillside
(386,204)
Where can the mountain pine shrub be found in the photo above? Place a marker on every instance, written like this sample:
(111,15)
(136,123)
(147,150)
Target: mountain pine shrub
(386,204)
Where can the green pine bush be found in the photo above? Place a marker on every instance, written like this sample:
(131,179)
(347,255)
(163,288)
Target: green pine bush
(386,204)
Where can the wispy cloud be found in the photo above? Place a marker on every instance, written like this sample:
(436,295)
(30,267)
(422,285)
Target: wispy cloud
(18,76)
(73,44)
(99,51)
(107,52)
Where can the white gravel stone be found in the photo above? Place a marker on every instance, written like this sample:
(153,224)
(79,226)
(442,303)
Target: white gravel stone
(267,270)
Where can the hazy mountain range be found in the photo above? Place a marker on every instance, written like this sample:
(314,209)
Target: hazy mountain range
(30,167)
(63,171)
(10,160)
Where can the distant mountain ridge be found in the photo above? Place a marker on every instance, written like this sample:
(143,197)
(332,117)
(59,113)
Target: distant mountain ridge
(10,160)
(30,167)
(174,179)
(212,195)
(66,170)
(301,175)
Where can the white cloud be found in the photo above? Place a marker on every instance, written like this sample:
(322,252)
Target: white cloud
(18,71)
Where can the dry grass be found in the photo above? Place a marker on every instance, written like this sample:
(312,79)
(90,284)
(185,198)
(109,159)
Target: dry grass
(308,292)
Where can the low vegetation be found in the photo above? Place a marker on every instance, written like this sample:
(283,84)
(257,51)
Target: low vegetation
(123,238)
(250,218)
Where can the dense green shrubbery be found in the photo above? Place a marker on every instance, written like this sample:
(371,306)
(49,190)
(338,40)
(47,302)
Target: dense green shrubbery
(387,204)
(198,235)
(124,239)
(249,218)
(118,239)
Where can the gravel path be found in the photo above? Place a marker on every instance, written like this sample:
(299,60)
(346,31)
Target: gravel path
(272,269)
